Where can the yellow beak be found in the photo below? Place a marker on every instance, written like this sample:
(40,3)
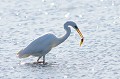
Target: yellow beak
(80,36)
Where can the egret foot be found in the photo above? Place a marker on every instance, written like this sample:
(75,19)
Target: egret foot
(45,63)
(40,62)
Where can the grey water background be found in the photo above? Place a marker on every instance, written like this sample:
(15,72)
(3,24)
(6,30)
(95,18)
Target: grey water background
(22,21)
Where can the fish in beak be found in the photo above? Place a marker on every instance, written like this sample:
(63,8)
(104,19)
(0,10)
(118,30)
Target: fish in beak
(82,38)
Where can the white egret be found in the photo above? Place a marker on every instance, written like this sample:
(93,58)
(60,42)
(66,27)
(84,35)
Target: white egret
(42,45)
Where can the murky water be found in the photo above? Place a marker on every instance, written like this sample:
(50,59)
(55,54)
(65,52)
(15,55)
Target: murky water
(22,21)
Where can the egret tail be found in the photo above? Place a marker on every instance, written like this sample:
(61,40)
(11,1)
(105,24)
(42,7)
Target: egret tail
(21,54)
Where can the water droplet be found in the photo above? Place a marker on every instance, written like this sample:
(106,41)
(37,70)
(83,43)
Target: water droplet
(114,22)
(43,0)
(46,13)
(97,27)
(105,7)
(52,4)
(101,0)
(113,4)
(17,14)
(80,16)
(67,15)
(65,76)
(39,10)
(22,63)
(26,16)
(19,24)
(93,70)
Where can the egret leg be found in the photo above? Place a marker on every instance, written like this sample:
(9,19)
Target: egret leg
(44,59)
(41,61)
(38,59)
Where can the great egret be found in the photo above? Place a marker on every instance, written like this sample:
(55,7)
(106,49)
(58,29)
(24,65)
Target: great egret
(42,45)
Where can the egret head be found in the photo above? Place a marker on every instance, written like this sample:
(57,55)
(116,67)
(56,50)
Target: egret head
(74,25)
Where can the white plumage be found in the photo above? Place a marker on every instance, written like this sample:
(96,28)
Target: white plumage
(42,45)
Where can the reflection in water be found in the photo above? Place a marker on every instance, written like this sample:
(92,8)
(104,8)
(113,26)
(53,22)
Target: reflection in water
(35,64)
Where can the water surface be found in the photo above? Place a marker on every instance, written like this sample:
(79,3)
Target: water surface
(22,21)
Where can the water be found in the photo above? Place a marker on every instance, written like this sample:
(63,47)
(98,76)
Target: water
(22,21)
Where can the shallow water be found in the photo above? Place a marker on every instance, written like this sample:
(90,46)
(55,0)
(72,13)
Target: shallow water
(22,21)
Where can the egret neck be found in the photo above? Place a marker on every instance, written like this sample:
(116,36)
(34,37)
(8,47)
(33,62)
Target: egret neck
(63,38)
(68,31)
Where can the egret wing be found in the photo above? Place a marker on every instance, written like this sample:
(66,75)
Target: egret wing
(40,46)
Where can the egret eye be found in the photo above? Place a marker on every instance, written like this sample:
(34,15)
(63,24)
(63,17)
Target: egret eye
(75,27)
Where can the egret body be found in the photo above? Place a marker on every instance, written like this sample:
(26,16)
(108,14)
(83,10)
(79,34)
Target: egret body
(42,45)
